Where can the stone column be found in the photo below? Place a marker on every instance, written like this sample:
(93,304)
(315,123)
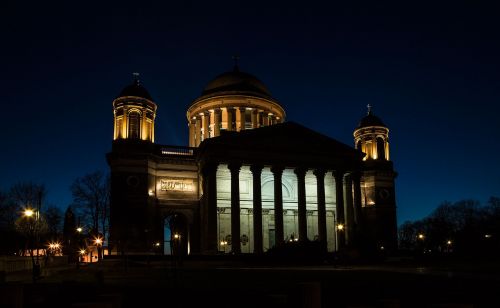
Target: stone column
(339,193)
(278,205)
(125,124)
(257,209)
(206,125)
(302,210)
(209,213)
(198,130)
(242,118)
(234,167)
(356,181)
(229,118)
(349,210)
(265,119)
(255,122)
(320,185)
(192,132)
(153,128)
(217,121)
(144,133)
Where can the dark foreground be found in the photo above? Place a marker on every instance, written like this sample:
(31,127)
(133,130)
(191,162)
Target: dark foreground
(216,283)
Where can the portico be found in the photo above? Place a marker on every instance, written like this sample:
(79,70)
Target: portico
(276,195)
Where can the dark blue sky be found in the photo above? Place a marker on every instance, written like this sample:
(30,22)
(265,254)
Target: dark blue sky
(431,73)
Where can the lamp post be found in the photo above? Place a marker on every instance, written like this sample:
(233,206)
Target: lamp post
(421,239)
(98,243)
(32,218)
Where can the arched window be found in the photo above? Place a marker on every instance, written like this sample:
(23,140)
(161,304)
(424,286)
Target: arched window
(380,148)
(134,131)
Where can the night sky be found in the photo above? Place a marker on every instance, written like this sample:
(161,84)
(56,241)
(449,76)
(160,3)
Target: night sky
(431,72)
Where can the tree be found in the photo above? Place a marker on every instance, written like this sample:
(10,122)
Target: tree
(28,195)
(91,197)
(53,216)
(70,242)
(11,239)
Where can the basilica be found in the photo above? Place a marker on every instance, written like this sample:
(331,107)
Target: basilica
(248,181)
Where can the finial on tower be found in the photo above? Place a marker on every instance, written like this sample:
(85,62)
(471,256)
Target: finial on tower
(235,59)
(369,109)
(136,78)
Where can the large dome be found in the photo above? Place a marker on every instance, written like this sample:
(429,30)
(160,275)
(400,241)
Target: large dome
(236,82)
(136,89)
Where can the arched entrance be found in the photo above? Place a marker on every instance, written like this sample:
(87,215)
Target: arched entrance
(175,235)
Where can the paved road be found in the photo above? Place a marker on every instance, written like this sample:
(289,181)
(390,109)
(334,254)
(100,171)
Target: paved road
(196,284)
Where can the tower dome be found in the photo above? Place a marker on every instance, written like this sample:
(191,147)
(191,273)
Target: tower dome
(134,113)
(135,89)
(232,101)
(372,137)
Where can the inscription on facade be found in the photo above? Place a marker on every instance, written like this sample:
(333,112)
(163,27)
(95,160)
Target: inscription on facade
(171,184)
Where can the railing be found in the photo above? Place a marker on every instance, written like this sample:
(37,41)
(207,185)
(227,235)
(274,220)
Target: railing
(176,151)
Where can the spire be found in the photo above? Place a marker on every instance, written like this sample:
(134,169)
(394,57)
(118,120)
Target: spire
(369,109)
(137,81)
(235,59)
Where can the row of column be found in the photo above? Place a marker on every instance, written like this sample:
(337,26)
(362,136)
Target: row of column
(199,126)
(349,218)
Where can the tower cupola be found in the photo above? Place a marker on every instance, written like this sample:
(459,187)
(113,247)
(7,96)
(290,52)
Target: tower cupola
(372,137)
(134,113)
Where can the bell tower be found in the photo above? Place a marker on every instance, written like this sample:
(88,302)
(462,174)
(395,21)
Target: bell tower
(377,184)
(134,113)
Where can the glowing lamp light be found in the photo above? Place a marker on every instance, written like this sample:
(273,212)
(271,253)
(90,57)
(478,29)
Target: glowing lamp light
(82,251)
(421,236)
(448,242)
(340,227)
(487,235)
(150,192)
(177,236)
(79,229)
(29,212)
(157,244)
(98,241)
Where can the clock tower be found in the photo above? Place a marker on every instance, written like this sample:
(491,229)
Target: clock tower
(377,184)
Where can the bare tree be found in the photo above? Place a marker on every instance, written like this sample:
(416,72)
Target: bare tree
(91,197)
(28,195)
(53,216)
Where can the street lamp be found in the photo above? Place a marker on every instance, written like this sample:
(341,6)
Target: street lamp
(98,243)
(54,247)
(33,226)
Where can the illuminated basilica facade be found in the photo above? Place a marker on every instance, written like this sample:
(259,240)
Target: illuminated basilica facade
(248,181)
